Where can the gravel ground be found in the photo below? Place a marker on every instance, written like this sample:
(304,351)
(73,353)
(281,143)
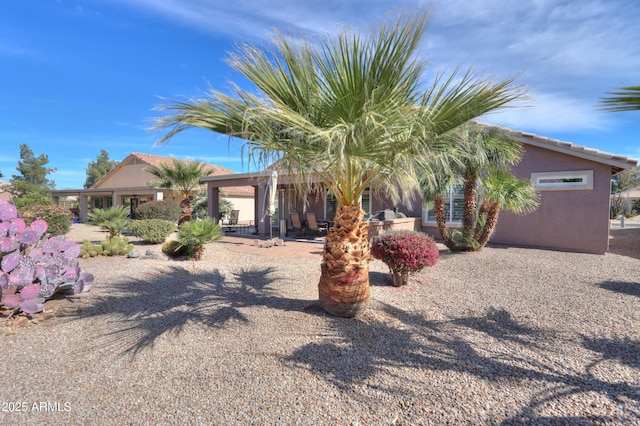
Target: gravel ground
(504,336)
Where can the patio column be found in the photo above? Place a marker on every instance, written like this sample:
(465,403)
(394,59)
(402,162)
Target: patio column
(83,209)
(213,204)
(256,212)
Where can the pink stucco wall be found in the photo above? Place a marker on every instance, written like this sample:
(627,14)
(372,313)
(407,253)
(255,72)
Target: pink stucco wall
(572,220)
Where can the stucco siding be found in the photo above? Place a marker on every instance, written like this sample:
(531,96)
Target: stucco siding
(566,219)
(246,207)
(129,175)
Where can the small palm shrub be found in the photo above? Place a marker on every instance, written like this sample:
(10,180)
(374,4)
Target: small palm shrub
(58,218)
(114,219)
(34,266)
(193,234)
(100,216)
(404,252)
(152,231)
(165,210)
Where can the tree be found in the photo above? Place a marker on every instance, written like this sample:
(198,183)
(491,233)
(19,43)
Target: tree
(476,158)
(624,99)
(351,111)
(98,168)
(200,206)
(32,181)
(621,182)
(625,180)
(182,177)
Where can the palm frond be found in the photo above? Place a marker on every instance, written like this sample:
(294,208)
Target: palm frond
(624,99)
(348,110)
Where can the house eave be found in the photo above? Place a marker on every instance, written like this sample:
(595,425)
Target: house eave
(618,163)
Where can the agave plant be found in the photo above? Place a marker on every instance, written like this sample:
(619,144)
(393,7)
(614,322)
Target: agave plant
(33,266)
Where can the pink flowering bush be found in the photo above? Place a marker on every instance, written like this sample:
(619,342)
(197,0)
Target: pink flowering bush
(404,252)
(34,266)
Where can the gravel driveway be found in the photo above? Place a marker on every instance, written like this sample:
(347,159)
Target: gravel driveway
(503,336)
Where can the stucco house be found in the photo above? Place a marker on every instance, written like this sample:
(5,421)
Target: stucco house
(573,181)
(129,184)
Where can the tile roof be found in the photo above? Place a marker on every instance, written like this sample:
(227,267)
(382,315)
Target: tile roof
(620,162)
(156,161)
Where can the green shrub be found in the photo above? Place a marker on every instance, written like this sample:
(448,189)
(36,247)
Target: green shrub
(194,234)
(111,246)
(152,230)
(114,219)
(165,210)
(33,199)
(99,217)
(172,248)
(57,217)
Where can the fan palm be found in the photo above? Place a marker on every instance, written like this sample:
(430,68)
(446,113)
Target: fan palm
(476,157)
(182,177)
(502,191)
(624,99)
(351,111)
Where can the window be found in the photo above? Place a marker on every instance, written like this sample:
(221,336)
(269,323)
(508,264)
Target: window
(455,198)
(563,181)
(366,202)
(330,205)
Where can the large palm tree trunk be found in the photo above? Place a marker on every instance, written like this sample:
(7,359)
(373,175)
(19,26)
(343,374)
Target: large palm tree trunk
(185,204)
(441,221)
(490,226)
(344,283)
(481,223)
(470,192)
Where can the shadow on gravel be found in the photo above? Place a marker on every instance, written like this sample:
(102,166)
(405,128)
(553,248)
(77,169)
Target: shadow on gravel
(622,350)
(141,311)
(493,347)
(628,288)
(380,279)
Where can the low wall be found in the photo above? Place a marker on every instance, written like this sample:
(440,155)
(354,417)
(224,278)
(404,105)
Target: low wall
(377,227)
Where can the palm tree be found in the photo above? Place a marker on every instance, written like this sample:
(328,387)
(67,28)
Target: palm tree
(476,157)
(624,99)
(182,177)
(502,191)
(351,111)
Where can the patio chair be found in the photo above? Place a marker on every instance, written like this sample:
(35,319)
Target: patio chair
(315,227)
(296,223)
(233,220)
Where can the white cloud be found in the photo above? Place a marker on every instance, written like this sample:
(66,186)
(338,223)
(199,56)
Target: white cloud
(570,52)
(553,112)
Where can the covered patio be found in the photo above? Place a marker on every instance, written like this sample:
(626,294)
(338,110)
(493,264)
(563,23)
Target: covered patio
(288,199)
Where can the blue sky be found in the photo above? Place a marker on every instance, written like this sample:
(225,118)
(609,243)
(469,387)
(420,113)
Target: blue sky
(80,76)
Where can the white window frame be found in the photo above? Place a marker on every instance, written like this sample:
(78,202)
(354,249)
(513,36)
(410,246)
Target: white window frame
(449,200)
(578,180)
